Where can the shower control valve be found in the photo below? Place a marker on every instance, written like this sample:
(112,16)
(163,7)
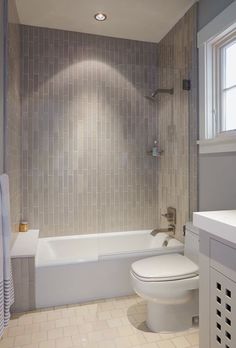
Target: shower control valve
(170,215)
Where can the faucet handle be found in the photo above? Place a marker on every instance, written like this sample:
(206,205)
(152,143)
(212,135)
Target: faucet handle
(170,215)
(165,215)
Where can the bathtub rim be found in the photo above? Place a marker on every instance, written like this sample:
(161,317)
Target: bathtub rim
(142,253)
(97,235)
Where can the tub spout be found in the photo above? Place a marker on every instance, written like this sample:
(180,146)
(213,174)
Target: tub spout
(166,241)
(170,228)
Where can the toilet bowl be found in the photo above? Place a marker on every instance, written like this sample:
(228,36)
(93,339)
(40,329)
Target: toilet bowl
(170,284)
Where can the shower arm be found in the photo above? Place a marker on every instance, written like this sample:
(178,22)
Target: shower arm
(163,90)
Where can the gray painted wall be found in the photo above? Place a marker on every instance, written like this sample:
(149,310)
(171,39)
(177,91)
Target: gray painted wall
(1,82)
(208,9)
(217,172)
(12,138)
(217,181)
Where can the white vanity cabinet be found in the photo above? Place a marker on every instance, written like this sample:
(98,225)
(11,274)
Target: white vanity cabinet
(222,295)
(217,262)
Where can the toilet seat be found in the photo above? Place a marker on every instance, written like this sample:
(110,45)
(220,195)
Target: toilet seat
(164,268)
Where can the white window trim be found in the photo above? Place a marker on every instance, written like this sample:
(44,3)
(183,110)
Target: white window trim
(221,25)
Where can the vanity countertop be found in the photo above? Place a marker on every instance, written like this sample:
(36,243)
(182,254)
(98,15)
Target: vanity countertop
(221,223)
(25,244)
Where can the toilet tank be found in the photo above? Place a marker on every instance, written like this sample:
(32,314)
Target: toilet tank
(191,245)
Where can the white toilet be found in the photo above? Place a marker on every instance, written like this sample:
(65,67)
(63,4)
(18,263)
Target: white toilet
(170,285)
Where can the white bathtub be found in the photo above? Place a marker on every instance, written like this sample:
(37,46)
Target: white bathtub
(87,267)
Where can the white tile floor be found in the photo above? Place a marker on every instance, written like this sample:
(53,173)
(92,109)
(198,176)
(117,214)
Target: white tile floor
(114,323)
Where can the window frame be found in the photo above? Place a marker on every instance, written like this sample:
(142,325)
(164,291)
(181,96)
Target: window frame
(219,65)
(215,34)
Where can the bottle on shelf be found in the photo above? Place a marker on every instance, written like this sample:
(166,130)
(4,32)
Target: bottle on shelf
(155,149)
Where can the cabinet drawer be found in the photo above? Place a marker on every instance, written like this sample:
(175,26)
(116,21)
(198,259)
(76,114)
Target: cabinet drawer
(223,258)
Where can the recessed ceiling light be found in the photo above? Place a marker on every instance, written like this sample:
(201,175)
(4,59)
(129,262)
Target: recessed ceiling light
(100,17)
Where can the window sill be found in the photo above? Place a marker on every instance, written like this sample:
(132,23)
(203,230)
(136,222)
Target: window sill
(217,145)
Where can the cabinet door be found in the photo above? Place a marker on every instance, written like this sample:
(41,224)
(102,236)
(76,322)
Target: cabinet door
(222,311)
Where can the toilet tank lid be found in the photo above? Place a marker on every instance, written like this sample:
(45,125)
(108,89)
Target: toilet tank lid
(190,227)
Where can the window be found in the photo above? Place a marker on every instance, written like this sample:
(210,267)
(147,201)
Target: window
(224,89)
(217,83)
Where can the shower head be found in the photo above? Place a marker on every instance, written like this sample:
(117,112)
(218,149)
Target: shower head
(152,97)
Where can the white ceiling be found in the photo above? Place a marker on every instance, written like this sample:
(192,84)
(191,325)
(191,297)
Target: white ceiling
(145,20)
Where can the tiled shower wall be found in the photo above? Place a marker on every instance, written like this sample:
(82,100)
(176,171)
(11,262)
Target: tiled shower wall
(13,116)
(178,120)
(86,131)
(87,128)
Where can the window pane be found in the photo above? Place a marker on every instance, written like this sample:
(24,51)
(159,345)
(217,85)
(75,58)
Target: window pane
(230,65)
(229,112)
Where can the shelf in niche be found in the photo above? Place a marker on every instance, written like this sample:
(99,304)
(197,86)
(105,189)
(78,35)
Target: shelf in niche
(160,153)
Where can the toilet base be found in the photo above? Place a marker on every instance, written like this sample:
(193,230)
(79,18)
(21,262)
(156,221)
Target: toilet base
(172,317)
